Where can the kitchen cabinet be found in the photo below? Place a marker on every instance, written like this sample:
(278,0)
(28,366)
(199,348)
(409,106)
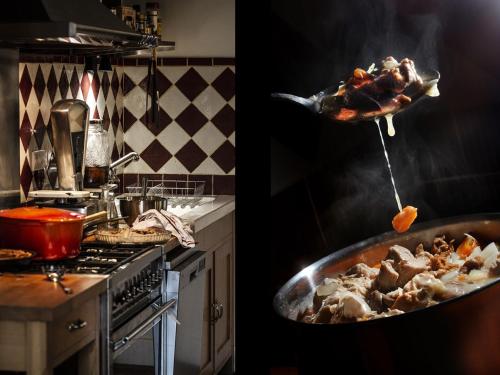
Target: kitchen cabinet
(41,327)
(218,314)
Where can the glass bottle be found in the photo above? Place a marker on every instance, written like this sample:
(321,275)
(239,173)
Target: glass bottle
(97,156)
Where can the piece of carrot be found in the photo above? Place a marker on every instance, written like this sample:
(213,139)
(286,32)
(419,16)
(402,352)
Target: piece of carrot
(468,244)
(404,219)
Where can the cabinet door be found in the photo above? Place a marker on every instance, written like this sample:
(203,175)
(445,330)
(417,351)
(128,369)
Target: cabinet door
(207,353)
(223,293)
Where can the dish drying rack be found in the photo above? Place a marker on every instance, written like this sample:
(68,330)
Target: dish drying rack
(180,193)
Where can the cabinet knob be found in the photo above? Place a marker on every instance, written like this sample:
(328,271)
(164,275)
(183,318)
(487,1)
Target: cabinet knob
(77,324)
(215,312)
(221,311)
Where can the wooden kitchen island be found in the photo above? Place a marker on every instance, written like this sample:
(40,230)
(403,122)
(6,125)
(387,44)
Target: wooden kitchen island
(41,326)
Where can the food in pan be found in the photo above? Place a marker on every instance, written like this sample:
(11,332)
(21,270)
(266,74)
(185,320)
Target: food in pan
(376,92)
(404,281)
(7,254)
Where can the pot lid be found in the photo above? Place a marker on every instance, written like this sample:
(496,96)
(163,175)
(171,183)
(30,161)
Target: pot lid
(36,213)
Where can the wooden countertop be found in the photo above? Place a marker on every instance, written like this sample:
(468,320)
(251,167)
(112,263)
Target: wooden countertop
(25,297)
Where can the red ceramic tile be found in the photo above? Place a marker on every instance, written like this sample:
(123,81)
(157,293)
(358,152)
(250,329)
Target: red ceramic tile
(224,60)
(25,85)
(130,179)
(224,156)
(48,129)
(105,84)
(115,119)
(85,84)
(128,84)
(224,185)
(157,126)
(128,119)
(39,84)
(224,84)
(39,129)
(155,155)
(106,121)
(142,61)
(52,84)
(224,120)
(162,83)
(96,85)
(199,61)
(96,115)
(191,155)
(191,119)
(130,62)
(191,84)
(207,179)
(26,177)
(74,83)
(115,84)
(115,155)
(173,61)
(63,83)
(25,131)
(126,148)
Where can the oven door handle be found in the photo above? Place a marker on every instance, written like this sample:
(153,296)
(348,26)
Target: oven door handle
(120,342)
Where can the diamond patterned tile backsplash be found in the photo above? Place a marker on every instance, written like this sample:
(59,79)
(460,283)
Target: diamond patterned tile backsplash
(192,139)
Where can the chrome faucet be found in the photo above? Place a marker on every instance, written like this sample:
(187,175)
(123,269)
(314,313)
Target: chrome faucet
(124,160)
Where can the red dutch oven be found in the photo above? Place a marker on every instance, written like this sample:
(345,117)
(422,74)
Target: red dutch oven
(52,233)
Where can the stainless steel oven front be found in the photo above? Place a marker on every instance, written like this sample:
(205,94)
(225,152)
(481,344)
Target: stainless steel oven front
(141,297)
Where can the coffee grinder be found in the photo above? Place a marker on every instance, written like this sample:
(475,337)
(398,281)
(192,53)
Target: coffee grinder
(69,119)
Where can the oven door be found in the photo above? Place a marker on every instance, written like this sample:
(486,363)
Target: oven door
(138,346)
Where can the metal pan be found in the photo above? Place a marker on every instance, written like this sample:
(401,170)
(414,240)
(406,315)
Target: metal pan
(460,335)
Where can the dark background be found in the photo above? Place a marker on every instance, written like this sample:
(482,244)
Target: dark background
(330,185)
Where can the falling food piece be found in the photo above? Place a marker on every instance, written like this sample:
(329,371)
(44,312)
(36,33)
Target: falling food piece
(404,219)
(468,244)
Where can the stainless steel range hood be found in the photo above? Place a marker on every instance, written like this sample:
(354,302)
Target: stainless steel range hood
(80,26)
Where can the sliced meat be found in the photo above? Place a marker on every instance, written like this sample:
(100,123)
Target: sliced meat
(408,269)
(405,264)
(324,315)
(495,271)
(361,269)
(379,301)
(357,285)
(387,277)
(440,245)
(407,69)
(413,300)
(472,264)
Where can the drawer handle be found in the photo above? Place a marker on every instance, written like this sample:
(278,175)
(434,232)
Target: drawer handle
(77,324)
(221,310)
(215,312)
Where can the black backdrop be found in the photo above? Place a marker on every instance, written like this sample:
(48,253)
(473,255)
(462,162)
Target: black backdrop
(329,183)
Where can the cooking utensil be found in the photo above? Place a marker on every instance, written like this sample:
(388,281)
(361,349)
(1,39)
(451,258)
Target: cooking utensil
(132,206)
(55,274)
(388,345)
(50,232)
(327,104)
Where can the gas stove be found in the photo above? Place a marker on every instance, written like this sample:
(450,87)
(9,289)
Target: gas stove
(95,258)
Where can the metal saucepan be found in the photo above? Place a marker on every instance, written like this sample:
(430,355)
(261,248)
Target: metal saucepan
(132,206)
(461,335)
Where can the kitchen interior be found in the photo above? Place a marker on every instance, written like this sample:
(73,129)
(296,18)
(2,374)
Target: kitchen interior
(117,184)
(331,189)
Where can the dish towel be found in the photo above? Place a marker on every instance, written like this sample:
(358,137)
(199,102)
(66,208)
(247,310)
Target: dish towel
(168,221)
